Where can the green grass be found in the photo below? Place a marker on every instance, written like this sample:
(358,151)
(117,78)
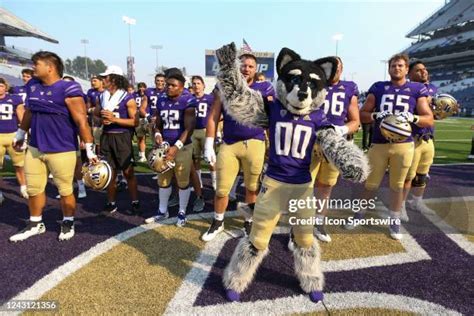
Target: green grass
(452,144)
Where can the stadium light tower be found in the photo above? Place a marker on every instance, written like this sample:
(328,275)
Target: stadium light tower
(130,21)
(85,42)
(337,37)
(156,48)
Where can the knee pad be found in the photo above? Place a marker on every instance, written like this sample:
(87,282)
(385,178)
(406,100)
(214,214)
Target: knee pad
(419,181)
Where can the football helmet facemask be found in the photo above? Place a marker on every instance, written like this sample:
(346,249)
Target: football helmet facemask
(157,159)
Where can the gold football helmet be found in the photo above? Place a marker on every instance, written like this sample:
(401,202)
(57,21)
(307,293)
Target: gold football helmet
(444,105)
(97,176)
(395,129)
(157,159)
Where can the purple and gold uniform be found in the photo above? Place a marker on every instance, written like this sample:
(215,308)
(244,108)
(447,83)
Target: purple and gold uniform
(292,138)
(203,109)
(8,127)
(116,140)
(397,156)
(424,146)
(172,113)
(93,96)
(153,95)
(53,143)
(120,111)
(243,147)
(142,127)
(20,90)
(336,107)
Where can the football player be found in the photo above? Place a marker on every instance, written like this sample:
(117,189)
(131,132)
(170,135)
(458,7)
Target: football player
(26,75)
(204,103)
(243,146)
(12,109)
(93,94)
(424,147)
(342,110)
(55,113)
(141,129)
(81,157)
(402,98)
(119,115)
(153,94)
(174,124)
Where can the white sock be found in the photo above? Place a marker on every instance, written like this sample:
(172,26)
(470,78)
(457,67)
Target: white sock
(80,184)
(68,218)
(417,199)
(394,214)
(184,199)
(319,219)
(213,176)
(164,195)
(141,154)
(199,177)
(36,218)
(22,188)
(234,186)
(218,216)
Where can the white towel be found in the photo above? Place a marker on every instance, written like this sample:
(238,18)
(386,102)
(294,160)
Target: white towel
(110,103)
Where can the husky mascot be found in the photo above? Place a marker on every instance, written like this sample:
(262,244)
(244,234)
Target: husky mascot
(295,122)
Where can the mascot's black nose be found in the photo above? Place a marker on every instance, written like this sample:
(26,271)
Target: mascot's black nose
(302,95)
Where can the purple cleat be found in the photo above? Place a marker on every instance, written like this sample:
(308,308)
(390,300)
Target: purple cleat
(232,295)
(316,296)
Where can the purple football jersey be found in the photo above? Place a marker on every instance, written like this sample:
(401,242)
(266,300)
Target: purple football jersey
(8,118)
(292,139)
(171,112)
(52,127)
(153,95)
(203,109)
(138,99)
(395,99)
(93,96)
(234,131)
(338,100)
(20,90)
(420,131)
(120,111)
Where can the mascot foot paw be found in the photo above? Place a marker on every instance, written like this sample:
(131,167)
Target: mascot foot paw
(232,295)
(316,296)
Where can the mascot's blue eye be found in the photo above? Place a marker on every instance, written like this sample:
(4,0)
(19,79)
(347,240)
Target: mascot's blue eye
(296,80)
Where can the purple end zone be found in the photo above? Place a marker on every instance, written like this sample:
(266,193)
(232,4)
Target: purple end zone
(446,280)
(24,263)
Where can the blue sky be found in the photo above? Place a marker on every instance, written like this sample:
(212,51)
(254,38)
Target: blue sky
(372,30)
